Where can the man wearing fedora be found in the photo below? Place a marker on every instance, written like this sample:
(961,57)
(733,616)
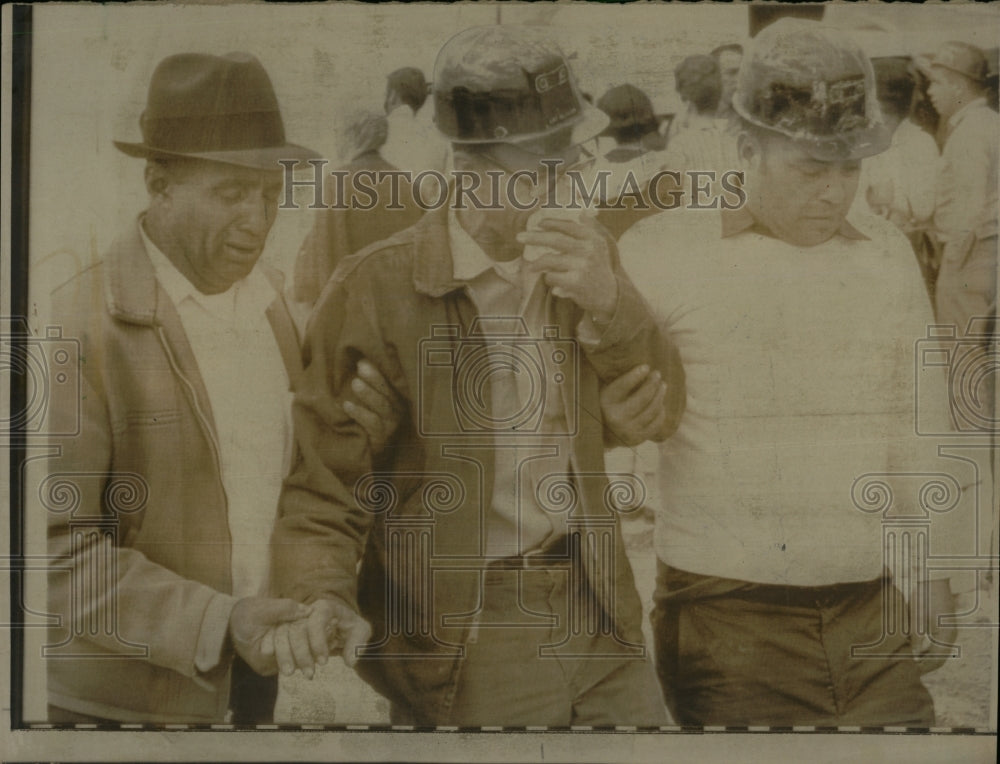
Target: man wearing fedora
(188,356)
(965,208)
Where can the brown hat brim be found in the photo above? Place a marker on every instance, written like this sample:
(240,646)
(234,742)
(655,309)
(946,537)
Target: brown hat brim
(257,159)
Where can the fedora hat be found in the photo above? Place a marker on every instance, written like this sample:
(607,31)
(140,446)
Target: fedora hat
(220,108)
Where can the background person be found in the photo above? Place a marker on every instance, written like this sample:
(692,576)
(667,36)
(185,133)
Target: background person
(965,205)
(899,183)
(412,144)
(343,228)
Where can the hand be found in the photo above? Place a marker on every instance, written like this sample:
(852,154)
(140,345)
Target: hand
(632,406)
(332,626)
(880,196)
(380,408)
(250,624)
(580,269)
(935,641)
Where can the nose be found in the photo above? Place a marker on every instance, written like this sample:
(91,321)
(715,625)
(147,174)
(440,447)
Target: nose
(257,213)
(836,186)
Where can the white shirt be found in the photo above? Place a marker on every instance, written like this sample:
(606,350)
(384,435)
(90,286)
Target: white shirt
(901,179)
(413,144)
(248,390)
(517,522)
(800,372)
(966,190)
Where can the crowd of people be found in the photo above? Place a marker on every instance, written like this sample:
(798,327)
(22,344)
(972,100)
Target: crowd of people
(420,483)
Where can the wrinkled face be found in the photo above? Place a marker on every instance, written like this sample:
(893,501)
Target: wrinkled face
(521,184)
(945,91)
(216,218)
(801,200)
(729,68)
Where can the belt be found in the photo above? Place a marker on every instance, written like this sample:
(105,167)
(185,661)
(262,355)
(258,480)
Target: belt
(809,596)
(552,556)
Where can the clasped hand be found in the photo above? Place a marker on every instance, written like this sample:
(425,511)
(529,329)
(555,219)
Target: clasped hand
(274,635)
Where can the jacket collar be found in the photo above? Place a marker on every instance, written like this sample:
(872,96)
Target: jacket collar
(741,219)
(130,284)
(132,289)
(134,295)
(433,266)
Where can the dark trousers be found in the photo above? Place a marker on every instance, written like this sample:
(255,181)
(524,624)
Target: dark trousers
(734,653)
(59,715)
(528,666)
(251,696)
(251,700)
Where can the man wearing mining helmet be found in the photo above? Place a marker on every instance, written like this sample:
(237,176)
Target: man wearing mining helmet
(797,331)
(477,568)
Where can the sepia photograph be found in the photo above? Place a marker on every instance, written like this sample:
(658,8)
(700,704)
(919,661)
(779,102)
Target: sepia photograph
(500,381)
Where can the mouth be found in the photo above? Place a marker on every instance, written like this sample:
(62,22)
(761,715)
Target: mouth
(242,251)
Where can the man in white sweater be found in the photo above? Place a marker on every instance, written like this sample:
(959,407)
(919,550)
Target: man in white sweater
(797,332)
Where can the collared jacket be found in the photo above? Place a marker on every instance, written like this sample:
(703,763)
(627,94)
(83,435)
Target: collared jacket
(137,513)
(413,517)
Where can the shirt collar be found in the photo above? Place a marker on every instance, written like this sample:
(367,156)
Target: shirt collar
(468,258)
(959,115)
(253,293)
(740,220)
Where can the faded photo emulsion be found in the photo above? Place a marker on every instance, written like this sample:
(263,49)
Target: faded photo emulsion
(504,368)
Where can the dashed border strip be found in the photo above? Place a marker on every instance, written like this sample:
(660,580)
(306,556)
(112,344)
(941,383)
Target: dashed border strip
(403,728)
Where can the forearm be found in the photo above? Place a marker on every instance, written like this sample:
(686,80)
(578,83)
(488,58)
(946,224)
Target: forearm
(321,529)
(632,338)
(120,599)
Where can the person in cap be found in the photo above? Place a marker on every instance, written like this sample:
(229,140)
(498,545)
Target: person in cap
(633,124)
(965,204)
(636,157)
(796,329)
(188,355)
(727,57)
(344,228)
(477,566)
(412,143)
(898,184)
(699,139)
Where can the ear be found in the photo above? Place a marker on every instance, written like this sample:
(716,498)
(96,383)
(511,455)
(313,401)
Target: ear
(157,179)
(391,100)
(749,149)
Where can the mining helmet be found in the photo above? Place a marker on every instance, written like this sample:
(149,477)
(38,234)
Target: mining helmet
(508,84)
(814,85)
